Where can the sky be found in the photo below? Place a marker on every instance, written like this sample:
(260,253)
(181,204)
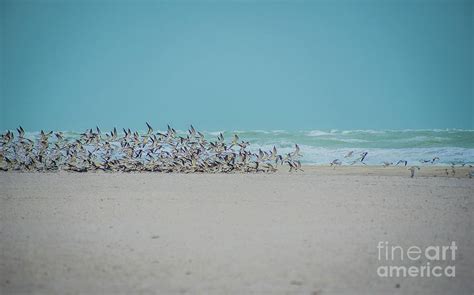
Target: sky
(236,65)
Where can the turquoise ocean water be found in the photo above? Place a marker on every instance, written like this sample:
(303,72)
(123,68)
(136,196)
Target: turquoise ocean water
(319,147)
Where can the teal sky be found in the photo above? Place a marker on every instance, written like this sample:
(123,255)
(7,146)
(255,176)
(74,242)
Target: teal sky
(69,65)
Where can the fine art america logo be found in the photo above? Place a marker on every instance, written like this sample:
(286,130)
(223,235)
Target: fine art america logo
(414,261)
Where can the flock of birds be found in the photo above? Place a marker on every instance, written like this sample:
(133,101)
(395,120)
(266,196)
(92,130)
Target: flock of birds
(156,152)
(350,155)
(131,151)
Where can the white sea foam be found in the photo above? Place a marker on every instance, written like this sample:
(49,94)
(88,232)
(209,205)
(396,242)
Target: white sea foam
(317,133)
(215,133)
(368,131)
(352,140)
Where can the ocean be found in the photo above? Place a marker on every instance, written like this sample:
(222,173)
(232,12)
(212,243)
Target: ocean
(320,147)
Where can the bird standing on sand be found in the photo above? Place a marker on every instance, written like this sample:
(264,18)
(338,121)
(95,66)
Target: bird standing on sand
(295,165)
(335,162)
(412,170)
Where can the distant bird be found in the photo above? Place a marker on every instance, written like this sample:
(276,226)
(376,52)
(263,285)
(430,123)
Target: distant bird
(429,161)
(296,165)
(21,132)
(349,154)
(361,158)
(235,140)
(386,164)
(192,131)
(335,162)
(412,170)
(279,158)
(150,129)
(296,153)
(402,161)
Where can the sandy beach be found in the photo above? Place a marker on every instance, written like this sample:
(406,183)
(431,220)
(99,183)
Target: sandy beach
(312,232)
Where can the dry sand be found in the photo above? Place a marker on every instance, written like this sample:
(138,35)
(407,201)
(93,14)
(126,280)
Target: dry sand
(303,233)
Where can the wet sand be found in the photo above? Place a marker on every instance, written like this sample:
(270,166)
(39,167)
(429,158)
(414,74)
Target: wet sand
(312,232)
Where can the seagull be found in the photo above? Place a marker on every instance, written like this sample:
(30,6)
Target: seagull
(279,158)
(386,164)
(296,153)
(150,129)
(235,140)
(21,132)
(335,162)
(402,161)
(361,158)
(295,165)
(298,166)
(270,167)
(349,154)
(412,170)
(192,131)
